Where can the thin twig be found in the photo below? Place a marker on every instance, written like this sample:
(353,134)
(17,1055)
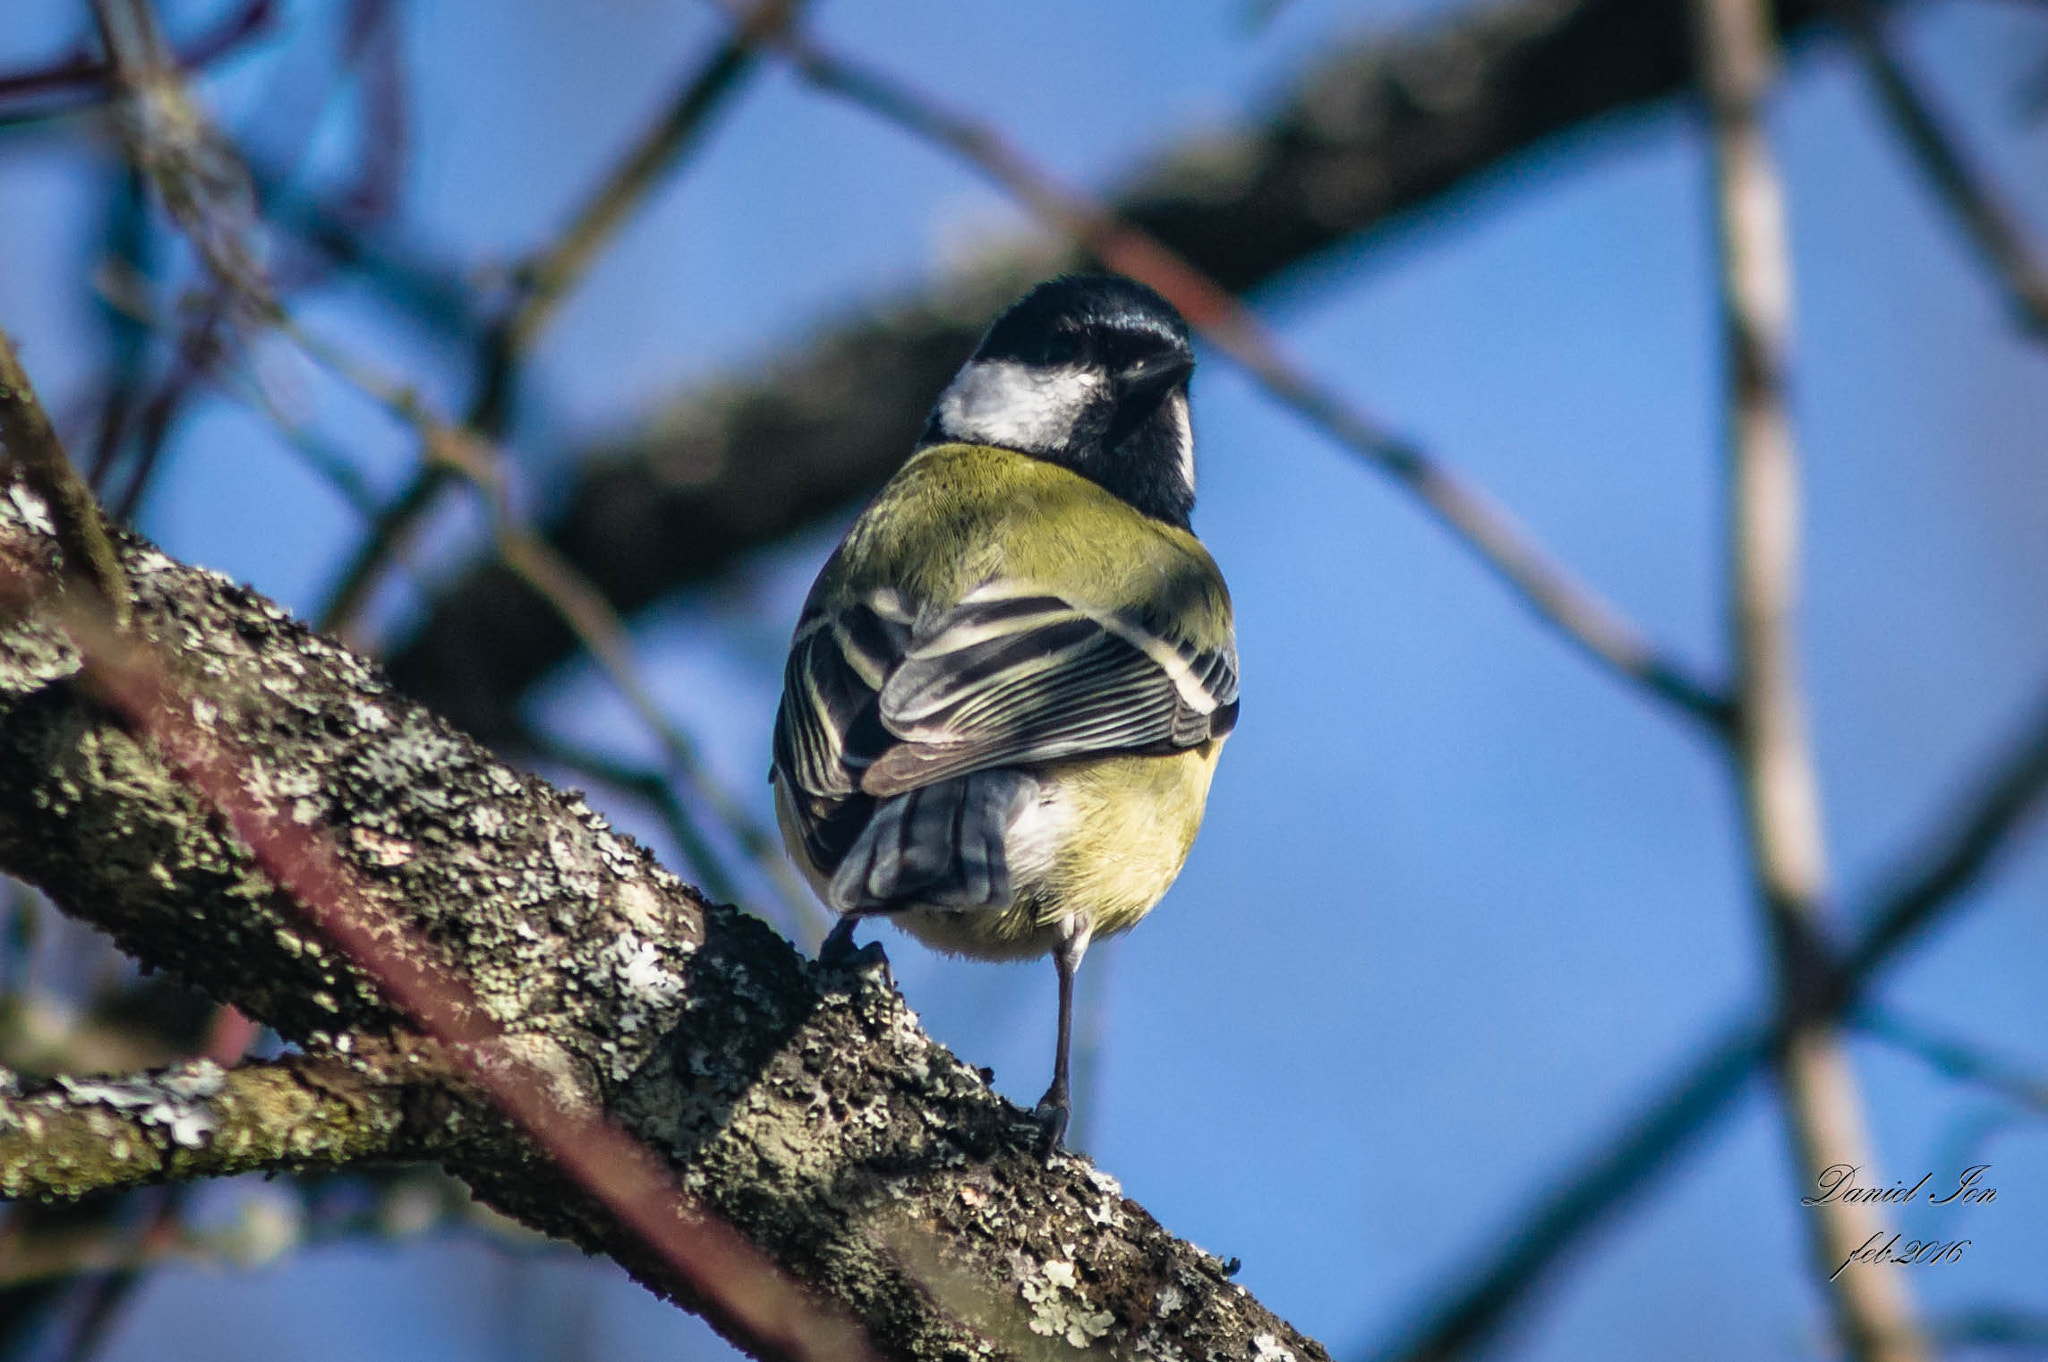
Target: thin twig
(1483,1292)
(198,175)
(1570,606)
(1962,847)
(2022,1332)
(546,278)
(1957,1059)
(543,282)
(1773,754)
(86,70)
(1987,220)
(32,443)
(580,605)
(583,607)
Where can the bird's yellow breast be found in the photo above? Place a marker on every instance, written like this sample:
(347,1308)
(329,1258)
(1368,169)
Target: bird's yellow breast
(1123,828)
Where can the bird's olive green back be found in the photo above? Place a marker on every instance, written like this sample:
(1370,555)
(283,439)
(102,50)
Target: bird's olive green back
(983,513)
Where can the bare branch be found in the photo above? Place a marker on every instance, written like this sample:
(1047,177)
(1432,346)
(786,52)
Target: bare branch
(803,1107)
(176,145)
(1960,849)
(543,281)
(87,71)
(1560,599)
(1956,1059)
(1387,128)
(92,1134)
(1987,220)
(32,445)
(1480,1295)
(1773,754)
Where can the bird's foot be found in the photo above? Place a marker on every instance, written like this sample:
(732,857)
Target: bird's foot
(837,951)
(1051,1113)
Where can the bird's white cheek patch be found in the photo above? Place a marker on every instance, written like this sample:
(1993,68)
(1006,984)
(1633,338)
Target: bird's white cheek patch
(1184,437)
(1017,406)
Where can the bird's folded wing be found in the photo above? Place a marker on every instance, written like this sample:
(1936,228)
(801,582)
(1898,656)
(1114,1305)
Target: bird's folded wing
(1009,679)
(828,728)
(871,706)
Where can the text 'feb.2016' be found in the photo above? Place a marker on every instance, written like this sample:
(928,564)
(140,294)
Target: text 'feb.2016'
(1837,1183)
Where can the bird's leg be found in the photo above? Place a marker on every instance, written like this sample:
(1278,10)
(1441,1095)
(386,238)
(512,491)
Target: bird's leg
(1054,1108)
(837,950)
(837,946)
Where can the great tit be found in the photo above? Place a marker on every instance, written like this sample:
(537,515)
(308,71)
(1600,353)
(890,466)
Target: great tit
(1010,682)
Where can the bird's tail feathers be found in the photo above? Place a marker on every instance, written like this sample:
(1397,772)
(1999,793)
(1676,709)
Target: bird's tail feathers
(940,845)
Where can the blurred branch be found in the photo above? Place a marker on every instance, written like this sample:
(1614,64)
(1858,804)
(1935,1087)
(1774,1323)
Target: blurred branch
(1478,1298)
(462,453)
(32,446)
(287,1216)
(1957,852)
(1956,1059)
(540,284)
(1386,129)
(1986,218)
(1568,605)
(805,1107)
(173,142)
(542,281)
(86,71)
(1773,754)
(1994,1326)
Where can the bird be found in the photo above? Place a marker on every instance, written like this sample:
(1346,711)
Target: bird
(1009,684)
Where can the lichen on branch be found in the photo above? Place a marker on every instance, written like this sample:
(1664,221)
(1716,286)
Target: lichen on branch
(92,1133)
(803,1107)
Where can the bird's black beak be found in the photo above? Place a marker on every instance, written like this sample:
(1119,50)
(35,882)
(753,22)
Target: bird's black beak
(1149,380)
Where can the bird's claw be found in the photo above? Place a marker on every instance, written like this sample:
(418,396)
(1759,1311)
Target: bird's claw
(1051,1113)
(837,951)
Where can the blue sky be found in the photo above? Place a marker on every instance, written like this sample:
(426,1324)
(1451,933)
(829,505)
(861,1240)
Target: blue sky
(1460,899)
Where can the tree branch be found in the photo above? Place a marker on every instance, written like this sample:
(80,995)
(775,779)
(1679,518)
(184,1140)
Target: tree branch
(1987,220)
(1482,1294)
(1773,755)
(1391,127)
(197,1120)
(803,1107)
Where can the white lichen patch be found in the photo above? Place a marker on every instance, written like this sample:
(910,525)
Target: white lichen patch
(174,1100)
(34,513)
(618,854)
(649,985)
(369,718)
(1059,1310)
(1267,1348)
(641,907)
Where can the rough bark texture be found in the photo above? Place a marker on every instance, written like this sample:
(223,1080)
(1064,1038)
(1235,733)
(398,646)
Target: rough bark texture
(804,1106)
(1390,127)
(86,1134)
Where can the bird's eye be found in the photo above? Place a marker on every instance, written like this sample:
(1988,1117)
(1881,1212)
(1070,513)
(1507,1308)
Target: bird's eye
(1063,347)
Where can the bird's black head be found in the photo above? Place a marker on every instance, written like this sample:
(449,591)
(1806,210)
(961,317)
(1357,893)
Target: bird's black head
(1089,371)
